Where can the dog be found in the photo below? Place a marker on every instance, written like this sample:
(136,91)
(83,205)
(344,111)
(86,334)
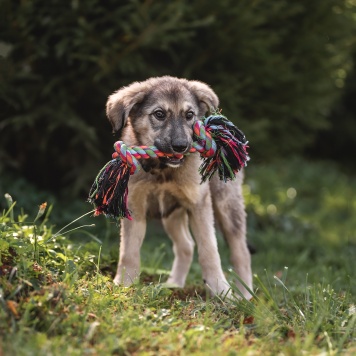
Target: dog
(161,111)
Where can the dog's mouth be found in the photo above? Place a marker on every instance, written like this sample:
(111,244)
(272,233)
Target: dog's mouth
(174,161)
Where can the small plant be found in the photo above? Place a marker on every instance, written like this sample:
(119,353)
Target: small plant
(35,262)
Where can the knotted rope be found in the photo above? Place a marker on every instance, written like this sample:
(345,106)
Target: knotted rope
(220,143)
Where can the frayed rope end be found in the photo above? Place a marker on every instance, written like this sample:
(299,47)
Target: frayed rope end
(231,149)
(109,191)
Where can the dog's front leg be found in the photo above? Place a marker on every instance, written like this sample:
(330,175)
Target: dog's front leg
(202,225)
(176,226)
(132,235)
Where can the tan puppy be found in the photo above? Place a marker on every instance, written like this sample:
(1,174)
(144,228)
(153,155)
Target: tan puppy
(161,112)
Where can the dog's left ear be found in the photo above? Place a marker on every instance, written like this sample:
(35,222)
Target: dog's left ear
(121,102)
(207,98)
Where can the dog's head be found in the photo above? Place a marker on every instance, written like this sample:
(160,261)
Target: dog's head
(160,112)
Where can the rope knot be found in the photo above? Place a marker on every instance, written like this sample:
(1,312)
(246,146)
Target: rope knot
(125,154)
(204,143)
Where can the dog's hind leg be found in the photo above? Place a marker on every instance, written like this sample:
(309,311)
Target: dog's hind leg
(230,213)
(176,226)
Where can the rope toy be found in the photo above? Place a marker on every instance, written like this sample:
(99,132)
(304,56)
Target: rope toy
(220,143)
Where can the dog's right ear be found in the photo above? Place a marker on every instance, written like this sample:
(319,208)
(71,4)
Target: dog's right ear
(208,100)
(121,102)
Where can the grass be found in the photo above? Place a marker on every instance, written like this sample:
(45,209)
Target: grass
(57,296)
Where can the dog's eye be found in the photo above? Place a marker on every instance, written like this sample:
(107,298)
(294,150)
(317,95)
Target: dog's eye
(189,115)
(159,114)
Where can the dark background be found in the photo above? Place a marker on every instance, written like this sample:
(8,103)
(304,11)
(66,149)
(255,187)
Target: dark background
(284,72)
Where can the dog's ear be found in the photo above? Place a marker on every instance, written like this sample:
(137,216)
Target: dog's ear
(206,96)
(121,102)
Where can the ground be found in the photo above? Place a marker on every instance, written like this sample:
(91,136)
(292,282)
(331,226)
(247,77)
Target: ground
(57,295)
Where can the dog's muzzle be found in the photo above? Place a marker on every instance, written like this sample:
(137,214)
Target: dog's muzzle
(173,162)
(175,151)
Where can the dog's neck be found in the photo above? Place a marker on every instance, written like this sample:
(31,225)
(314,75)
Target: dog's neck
(153,166)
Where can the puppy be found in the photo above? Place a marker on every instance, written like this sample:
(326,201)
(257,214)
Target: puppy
(161,112)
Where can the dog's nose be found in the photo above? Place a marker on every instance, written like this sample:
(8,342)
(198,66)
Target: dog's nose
(179,145)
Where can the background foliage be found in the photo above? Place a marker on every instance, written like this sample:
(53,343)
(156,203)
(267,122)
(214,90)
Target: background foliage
(278,67)
(284,71)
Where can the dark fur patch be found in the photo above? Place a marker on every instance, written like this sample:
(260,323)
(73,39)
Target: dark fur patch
(251,248)
(168,175)
(149,164)
(170,204)
(158,169)
(153,211)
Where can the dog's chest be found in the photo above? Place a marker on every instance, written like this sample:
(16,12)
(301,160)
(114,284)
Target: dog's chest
(165,190)
(166,194)
(172,193)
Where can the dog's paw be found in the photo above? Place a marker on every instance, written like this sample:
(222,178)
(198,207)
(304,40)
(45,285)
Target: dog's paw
(220,288)
(177,282)
(118,281)
(125,279)
(170,285)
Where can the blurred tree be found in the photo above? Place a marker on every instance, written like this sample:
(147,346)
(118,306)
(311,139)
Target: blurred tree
(338,141)
(63,60)
(273,64)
